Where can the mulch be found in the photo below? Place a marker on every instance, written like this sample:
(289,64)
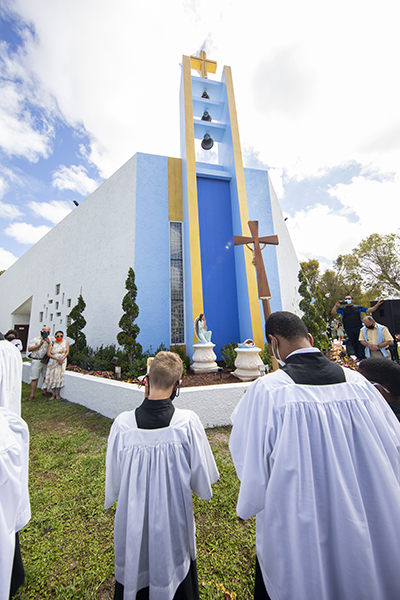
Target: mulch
(192,379)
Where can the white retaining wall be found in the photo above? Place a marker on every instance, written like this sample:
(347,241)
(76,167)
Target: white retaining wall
(214,404)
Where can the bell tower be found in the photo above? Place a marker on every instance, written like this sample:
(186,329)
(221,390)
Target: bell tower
(220,280)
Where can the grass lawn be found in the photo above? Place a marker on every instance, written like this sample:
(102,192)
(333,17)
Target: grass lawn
(67,546)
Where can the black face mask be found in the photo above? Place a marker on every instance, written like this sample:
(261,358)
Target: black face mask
(370,326)
(10,338)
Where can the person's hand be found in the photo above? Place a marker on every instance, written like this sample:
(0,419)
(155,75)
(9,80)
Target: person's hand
(380,302)
(374,347)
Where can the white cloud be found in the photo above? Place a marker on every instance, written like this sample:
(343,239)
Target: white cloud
(3,187)
(6,259)
(9,211)
(22,132)
(305,102)
(374,203)
(321,227)
(74,178)
(53,211)
(25,233)
(282,84)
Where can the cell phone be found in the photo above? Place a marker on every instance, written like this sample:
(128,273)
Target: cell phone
(342,302)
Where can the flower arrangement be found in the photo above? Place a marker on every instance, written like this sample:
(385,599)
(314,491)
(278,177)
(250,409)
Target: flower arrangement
(338,354)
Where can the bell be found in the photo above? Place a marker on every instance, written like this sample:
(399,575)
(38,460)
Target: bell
(204,94)
(207,142)
(206,116)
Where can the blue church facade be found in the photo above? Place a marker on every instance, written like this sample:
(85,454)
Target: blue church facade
(173,220)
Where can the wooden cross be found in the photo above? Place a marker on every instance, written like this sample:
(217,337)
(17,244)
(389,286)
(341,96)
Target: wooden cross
(203,64)
(262,282)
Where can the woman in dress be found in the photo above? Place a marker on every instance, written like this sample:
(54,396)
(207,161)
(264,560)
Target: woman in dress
(58,352)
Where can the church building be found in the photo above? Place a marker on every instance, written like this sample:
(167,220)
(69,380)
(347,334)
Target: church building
(176,221)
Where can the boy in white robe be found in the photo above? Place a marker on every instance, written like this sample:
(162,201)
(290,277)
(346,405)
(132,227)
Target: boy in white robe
(156,456)
(316,448)
(14,450)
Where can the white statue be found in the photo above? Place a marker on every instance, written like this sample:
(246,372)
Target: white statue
(200,329)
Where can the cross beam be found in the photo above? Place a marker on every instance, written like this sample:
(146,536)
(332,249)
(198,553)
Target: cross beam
(203,64)
(264,292)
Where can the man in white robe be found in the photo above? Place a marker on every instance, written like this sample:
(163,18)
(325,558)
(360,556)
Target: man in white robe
(316,448)
(156,456)
(10,377)
(14,450)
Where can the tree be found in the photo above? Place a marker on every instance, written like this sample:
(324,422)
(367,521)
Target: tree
(378,261)
(347,271)
(312,313)
(130,331)
(74,331)
(310,269)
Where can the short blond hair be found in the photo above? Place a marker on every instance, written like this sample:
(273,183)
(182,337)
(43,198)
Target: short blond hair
(165,370)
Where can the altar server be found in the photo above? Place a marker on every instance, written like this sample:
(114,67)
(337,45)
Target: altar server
(316,448)
(14,449)
(10,377)
(156,456)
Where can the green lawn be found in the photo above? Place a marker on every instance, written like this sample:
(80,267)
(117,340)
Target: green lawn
(68,544)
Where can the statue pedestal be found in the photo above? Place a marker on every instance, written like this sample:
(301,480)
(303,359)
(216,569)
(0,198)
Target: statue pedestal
(204,358)
(247,362)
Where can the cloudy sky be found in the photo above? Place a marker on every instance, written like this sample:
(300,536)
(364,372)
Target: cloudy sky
(85,84)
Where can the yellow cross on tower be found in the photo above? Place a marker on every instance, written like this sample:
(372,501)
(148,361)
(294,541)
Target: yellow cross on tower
(203,64)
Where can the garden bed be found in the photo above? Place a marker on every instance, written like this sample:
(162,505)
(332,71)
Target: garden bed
(191,379)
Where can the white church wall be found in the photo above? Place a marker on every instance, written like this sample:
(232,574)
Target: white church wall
(280,261)
(288,263)
(259,203)
(90,250)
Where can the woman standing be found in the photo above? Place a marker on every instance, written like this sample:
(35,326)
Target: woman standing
(58,352)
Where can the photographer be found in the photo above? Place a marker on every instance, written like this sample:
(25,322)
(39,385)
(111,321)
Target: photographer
(351,316)
(38,350)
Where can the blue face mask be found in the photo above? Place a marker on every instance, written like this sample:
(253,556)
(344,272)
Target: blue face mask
(348,300)
(277,358)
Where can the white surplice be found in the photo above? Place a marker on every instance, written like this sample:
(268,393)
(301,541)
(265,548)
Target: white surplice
(14,498)
(151,472)
(10,377)
(320,467)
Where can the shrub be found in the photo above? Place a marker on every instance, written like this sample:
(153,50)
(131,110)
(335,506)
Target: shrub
(130,331)
(74,331)
(229,354)
(265,356)
(184,357)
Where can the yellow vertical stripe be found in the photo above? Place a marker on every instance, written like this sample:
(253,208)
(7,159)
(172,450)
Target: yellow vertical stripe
(244,214)
(194,230)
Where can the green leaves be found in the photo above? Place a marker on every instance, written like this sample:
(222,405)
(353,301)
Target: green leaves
(74,331)
(130,330)
(313,311)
